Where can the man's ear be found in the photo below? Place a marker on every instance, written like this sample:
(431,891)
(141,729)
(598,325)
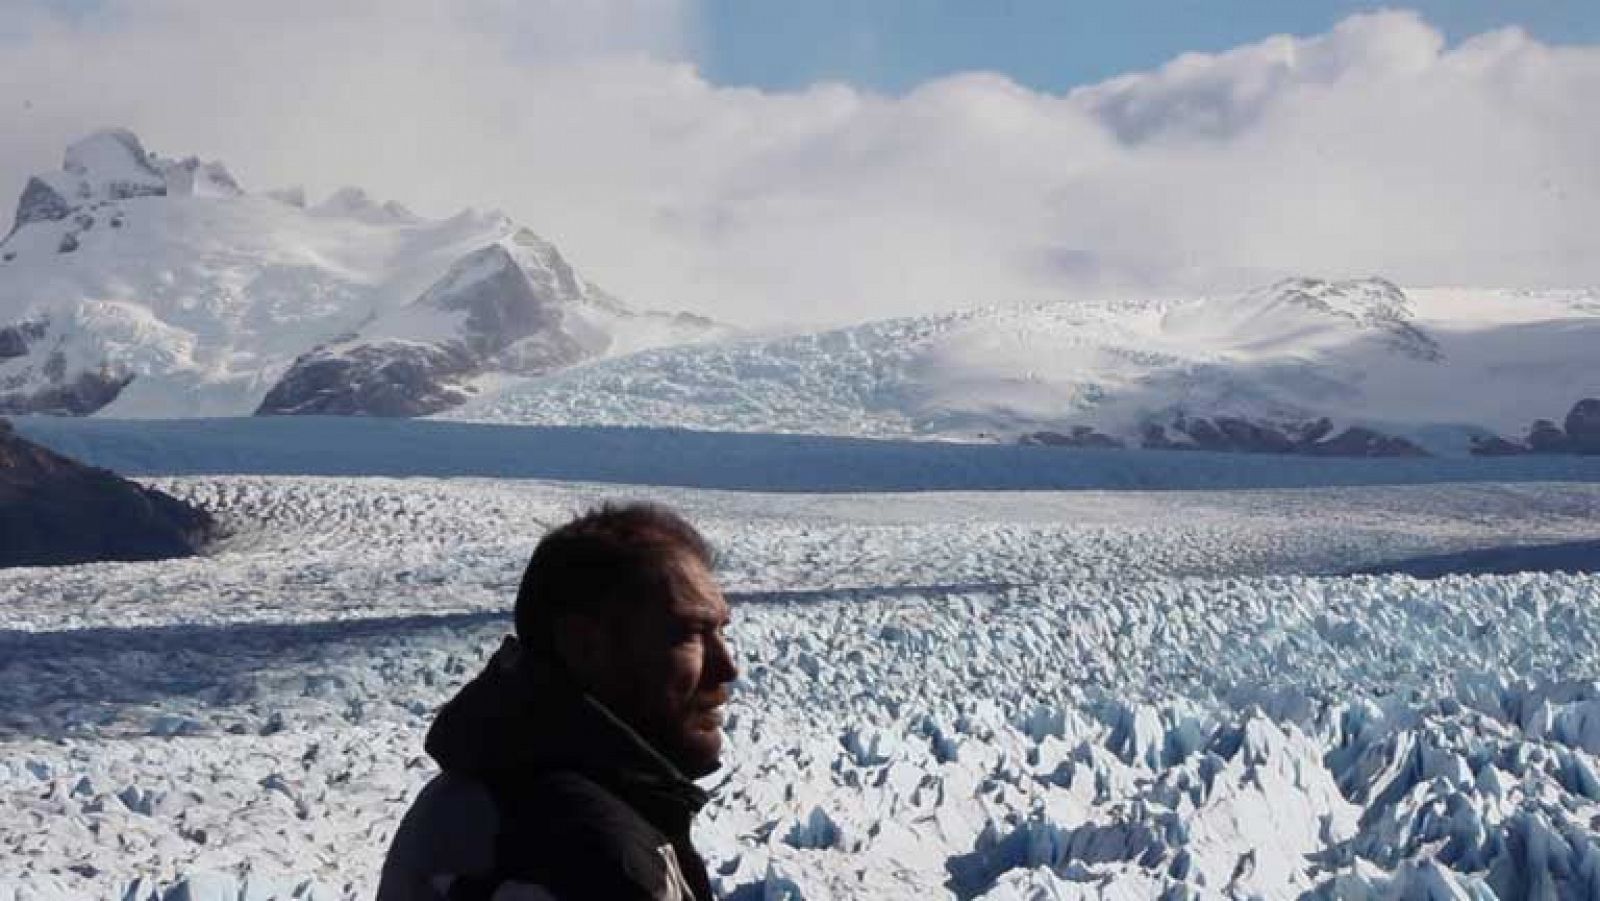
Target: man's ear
(586,646)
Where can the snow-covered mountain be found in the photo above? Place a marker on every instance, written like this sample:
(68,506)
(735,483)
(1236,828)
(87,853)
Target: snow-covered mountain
(136,286)
(132,285)
(1434,366)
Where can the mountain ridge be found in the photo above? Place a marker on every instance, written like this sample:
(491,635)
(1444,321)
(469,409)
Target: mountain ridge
(140,286)
(136,286)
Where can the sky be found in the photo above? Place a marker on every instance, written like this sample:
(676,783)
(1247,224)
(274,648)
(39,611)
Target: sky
(1050,45)
(830,162)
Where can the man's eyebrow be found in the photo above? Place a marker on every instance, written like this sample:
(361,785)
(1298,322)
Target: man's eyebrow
(706,618)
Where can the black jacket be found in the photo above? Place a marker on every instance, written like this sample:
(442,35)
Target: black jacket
(545,794)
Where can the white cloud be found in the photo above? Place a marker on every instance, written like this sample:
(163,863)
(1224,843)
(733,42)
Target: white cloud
(1372,149)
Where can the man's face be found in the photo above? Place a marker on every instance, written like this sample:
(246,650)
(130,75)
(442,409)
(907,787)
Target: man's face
(671,668)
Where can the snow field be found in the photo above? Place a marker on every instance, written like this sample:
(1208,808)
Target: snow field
(972,695)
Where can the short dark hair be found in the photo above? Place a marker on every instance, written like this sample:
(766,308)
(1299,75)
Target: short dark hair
(612,553)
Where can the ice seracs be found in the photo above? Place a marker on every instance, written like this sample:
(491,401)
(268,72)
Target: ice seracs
(1007,695)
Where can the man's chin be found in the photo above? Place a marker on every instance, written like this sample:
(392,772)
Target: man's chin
(700,754)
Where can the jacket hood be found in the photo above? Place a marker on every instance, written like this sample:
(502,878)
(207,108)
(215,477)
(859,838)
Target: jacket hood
(520,719)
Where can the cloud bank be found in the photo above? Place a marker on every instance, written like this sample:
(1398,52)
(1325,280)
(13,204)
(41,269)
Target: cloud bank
(1372,149)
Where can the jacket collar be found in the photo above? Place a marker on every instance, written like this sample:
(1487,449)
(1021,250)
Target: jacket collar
(521,718)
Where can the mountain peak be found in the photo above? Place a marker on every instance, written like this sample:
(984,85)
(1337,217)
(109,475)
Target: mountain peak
(112,164)
(109,164)
(114,161)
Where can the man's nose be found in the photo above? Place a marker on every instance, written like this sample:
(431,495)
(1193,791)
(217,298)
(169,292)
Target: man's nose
(721,667)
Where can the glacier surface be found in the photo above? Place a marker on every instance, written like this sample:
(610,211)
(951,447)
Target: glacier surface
(1090,694)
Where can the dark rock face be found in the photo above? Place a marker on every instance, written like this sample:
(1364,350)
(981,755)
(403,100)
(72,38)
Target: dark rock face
(393,379)
(505,307)
(79,394)
(1153,436)
(1306,434)
(82,395)
(1203,434)
(1583,426)
(40,203)
(1081,436)
(1580,435)
(1545,437)
(15,340)
(1357,441)
(1253,437)
(1233,434)
(1495,446)
(1230,434)
(56,511)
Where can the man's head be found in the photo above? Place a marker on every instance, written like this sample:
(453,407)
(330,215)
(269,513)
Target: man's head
(623,598)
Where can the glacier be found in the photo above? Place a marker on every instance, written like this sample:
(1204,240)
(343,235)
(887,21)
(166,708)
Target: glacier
(971,694)
(1439,366)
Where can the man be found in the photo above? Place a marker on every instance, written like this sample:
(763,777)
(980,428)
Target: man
(567,762)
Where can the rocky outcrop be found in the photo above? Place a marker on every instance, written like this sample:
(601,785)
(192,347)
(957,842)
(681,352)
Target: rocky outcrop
(83,394)
(16,340)
(1357,441)
(390,379)
(1545,437)
(1495,446)
(55,511)
(502,306)
(1583,426)
(1081,436)
(1232,434)
(1579,433)
(40,202)
(44,386)
(487,312)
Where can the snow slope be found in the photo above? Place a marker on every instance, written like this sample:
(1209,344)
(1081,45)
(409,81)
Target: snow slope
(169,288)
(1435,365)
(1085,695)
